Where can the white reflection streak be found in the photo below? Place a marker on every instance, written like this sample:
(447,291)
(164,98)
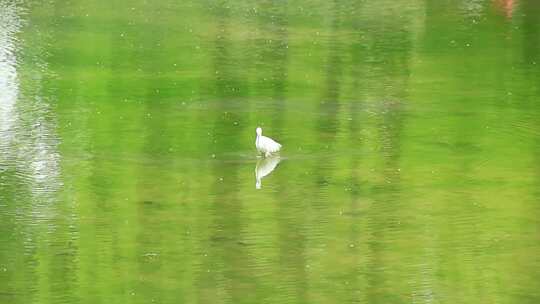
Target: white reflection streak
(472,8)
(9,88)
(28,143)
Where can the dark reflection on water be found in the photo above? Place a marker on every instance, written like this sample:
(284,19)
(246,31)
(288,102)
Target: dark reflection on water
(531,38)
(225,264)
(409,170)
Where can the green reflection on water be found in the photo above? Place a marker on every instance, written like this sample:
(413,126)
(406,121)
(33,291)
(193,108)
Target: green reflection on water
(409,172)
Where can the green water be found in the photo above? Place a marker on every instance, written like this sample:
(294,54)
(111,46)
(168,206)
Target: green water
(410,171)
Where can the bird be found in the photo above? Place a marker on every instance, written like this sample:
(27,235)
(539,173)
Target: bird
(264,167)
(266,145)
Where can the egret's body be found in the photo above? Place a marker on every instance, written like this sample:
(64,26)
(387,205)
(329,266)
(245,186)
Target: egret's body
(266,145)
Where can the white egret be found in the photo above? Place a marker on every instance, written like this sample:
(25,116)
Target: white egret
(264,167)
(266,145)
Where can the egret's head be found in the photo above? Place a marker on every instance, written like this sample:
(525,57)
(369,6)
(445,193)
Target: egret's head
(259,131)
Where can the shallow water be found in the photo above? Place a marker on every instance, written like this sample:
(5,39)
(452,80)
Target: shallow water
(409,174)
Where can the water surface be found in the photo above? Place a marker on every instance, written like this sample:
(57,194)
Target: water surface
(409,174)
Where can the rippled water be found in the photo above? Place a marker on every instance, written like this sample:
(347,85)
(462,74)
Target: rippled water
(409,174)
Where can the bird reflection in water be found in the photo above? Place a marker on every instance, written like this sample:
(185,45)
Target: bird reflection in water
(264,167)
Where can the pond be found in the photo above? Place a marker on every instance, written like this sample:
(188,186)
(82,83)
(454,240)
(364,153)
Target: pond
(409,173)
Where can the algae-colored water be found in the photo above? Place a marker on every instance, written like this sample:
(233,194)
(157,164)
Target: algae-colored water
(410,171)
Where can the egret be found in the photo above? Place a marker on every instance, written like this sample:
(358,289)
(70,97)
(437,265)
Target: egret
(264,167)
(266,145)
